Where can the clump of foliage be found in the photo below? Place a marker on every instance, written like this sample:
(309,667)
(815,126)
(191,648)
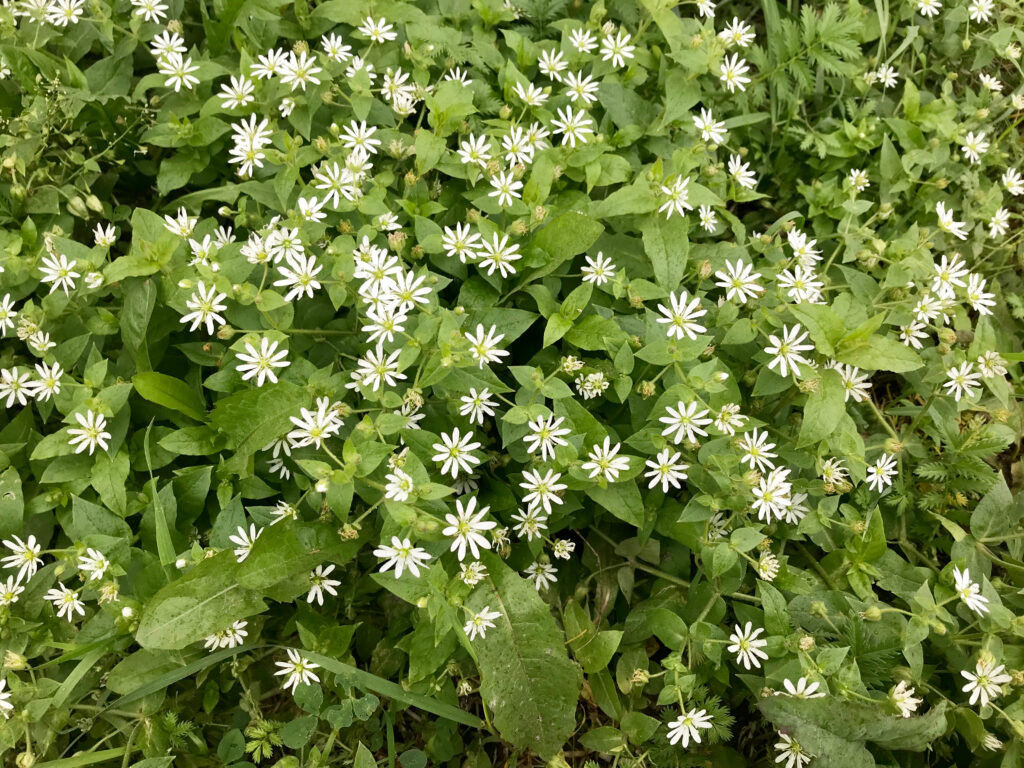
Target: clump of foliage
(471,383)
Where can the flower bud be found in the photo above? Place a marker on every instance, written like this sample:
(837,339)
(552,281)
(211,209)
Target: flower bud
(225,332)
(14,660)
(947,336)
(806,643)
(505,112)
(893,446)
(873,613)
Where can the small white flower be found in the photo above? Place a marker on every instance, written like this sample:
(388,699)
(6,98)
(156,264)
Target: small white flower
(479,623)
(320,582)
(902,697)
(598,270)
(747,646)
(260,364)
(93,563)
(678,197)
(25,556)
(545,435)
(465,528)
(543,491)
(802,689)
(688,726)
(455,452)
(541,574)
(59,271)
(477,405)
(881,473)
(969,591)
(681,316)
(66,602)
(948,224)
(299,670)
(604,461)
(733,73)
(401,555)
(685,422)
(92,433)
(791,752)
(786,351)
(616,48)
(739,281)
(243,541)
(962,381)
(985,684)
(667,469)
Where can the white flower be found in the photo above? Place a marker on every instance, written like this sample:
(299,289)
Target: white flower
(465,528)
(480,622)
(378,31)
(740,173)
(497,255)
(980,300)
(757,451)
(150,10)
(300,70)
(298,670)
(734,73)
(772,495)
(530,523)
(476,405)
(178,71)
(581,88)
(313,427)
(858,179)
(398,486)
(768,566)
(791,752)
(802,690)
(545,435)
(472,573)
(16,387)
(261,363)
(93,563)
(886,75)
(999,223)
(991,365)
(747,646)
(543,491)
(541,574)
(505,188)
(360,135)
(681,316)
(911,334)
(484,348)
(92,433)
(740,281)
(598,270)
(65,602)
(9,591)
(985,683)
(666,469)
(729,419)
(7,314)
(685,421)
(786,351)
(1013,181)
(454,451)
(708,219)
(59,271)
(902,697)
(855,385)
(243,541)
(475,150)
(974,146)
(738,33)
(460,242)
(881,473)
(688,726)
(320,582)
(678,197)
(300,274)
(238,93)
(205,305)
(167,42)
(706,8)
(401,555)
(947,223)
(969,591)
(962,381)
(929,8)
(530,94)
(603,461)
(991,742)
(616,48)
(25,558)
(574,126)
(583,40)
(980,10)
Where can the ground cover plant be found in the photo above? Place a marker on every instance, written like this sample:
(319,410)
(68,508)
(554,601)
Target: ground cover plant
(540,382)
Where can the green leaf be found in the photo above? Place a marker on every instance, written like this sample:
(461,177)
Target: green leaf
(171,393)
(370,682)
(204,601)
(12,503)
(621,499)
(879,353)
(564,237)
(667,246)
(998,513)
(253,418)
(824,408)
(669,627)
(835,731)
(526,678)
(591,648)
